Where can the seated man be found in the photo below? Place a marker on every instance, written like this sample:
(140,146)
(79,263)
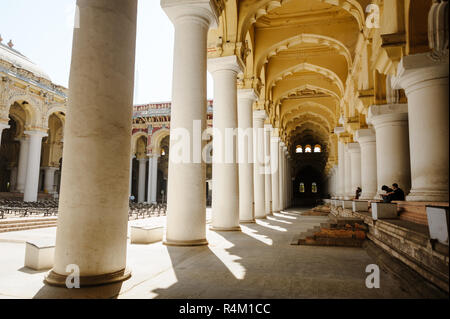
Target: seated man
(387,196)
(397,193)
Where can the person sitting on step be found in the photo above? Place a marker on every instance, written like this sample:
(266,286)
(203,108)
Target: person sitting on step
(386,197)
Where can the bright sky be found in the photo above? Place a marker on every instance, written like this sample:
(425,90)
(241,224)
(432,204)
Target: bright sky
(42,30)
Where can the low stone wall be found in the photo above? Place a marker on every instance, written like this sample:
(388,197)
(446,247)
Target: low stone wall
(408,242)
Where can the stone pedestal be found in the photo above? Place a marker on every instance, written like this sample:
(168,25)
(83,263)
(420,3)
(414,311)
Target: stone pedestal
(384,211)
(30,193)
(186,184)
(39,255)
(426,85)
(438,223)
(259,180)
(391,126)
(146,234)
(360,206)
(367,141)
(347,204)
(225,193)
(246,98)
(274,164)
(93,206)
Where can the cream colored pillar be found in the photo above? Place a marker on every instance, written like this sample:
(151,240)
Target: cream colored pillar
(93,206)
(49,179)
(340,191)
(281,175)
(267,174)
(355,159)
(274,165)
(426,85)
(22,165)
(141,180)
(131,173)
(391,127)
(246,98)
(30,193)
(225,193)
(186,189)
(2,127)
(154,179)
(367,141)
(259,180)
(348,173)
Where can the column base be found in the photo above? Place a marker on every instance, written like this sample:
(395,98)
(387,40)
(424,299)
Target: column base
(214,228)
(197,242)
(57,280)
(427,196)
(251,221)
(261,217)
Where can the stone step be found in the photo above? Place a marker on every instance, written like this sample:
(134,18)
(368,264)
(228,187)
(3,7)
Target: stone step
(19,228)
(30,223)
(322,241)
(26,220)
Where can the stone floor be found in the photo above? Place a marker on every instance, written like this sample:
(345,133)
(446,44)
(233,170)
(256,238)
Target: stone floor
(258,262)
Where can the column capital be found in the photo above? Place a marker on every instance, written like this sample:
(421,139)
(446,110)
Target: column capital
(50,168)
(418,71)
(387,113)
(365,136)
(247,94)
(259,115)
(206,10)
(143,159)
(230,63)
(282,144)
(268,127)
(40,134)
(275,139)
(353,148)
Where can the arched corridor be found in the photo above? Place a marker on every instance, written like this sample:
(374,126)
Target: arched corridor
(317,103)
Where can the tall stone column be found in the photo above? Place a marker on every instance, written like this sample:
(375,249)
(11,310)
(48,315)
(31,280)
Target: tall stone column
(30,193)
(426,85)
(348,173)
(23,163)
(281,175)
(153,178)
(340,189)
(141,179)
(93,206)
(355,158)
(259,179)
(391,126)
(2,127)
(131,173)
(267,173)
(49,179)
(225,196)
(274,165)
(246,98)
(186,189)
(367,141)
